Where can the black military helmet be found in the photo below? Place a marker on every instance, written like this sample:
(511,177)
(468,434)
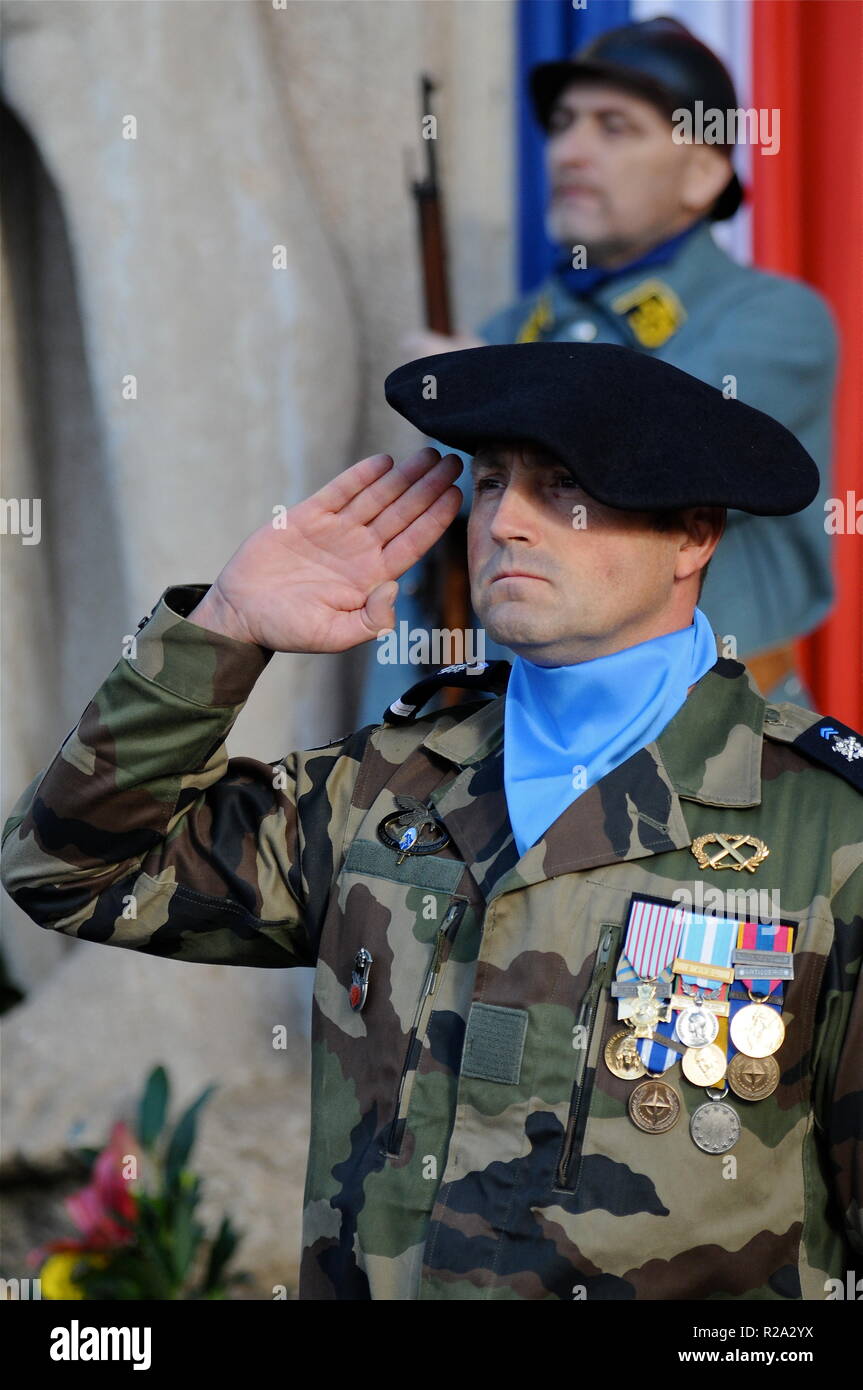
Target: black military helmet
(659,60)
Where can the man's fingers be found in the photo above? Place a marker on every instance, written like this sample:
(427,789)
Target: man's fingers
(369,503)
(412,504)
(340,491)
(407,547)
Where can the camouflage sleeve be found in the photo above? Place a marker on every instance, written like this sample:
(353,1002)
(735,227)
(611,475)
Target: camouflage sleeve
(839,1060)
(143,833)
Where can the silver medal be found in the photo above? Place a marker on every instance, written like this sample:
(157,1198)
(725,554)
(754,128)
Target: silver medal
(715,1127)
(696,1027)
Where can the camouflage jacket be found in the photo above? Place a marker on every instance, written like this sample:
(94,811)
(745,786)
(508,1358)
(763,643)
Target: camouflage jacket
(462,1145)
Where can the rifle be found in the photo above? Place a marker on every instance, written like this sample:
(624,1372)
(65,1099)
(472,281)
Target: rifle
(445,585)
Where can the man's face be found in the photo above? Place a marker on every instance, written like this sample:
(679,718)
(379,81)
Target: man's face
(589,579)
(618,183)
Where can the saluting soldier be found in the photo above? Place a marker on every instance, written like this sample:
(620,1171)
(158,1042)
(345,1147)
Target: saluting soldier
(632,211)
(541,1030)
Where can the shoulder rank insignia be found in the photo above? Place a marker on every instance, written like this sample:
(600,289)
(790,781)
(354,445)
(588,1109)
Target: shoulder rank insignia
(653,312)
(834,745)
(483,675)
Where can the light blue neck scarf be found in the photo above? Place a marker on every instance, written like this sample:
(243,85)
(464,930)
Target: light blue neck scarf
(565,727)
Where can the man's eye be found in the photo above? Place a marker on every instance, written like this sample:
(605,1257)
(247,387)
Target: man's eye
(558,121)
(615,124)
(563,480)
(482,484)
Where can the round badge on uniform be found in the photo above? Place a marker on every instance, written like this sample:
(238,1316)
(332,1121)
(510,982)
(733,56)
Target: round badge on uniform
(757,1030)
(753,1078)
(715,1127)
(654,1106)
(583,331)
(622,1057)
(705,1065)
(696,1027)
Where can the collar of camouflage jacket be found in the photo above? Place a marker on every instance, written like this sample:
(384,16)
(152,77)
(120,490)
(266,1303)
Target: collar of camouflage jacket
(709,753)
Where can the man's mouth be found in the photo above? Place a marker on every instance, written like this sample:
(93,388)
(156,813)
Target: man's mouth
(575,190)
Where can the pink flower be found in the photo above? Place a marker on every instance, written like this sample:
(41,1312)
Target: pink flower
(95,1208)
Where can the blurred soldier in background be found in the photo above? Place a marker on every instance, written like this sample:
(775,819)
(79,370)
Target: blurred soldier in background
(631,209)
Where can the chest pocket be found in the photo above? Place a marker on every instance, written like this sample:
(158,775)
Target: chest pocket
(411,919)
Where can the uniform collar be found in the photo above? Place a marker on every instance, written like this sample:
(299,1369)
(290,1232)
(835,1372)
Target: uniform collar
(709,753)
(697,259)
(588,279)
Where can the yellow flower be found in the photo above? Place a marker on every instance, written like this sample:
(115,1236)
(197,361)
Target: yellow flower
(56,1273)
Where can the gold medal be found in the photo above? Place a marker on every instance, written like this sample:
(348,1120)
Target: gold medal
(753,1078)
(621,1056)
(704,1066)
(644,1011)
(654,1106)
(757,1030)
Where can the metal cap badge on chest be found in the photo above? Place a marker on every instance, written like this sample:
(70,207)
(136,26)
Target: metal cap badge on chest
(414,829)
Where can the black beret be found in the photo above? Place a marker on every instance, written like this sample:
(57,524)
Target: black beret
(633,431)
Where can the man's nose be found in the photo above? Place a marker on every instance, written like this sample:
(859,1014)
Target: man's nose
(515,515)
(572,147)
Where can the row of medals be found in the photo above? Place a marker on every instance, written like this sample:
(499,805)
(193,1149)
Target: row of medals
(756,1031)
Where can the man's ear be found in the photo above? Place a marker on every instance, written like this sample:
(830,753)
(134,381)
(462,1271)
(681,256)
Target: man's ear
(707,170)
(704,527)
(707,522)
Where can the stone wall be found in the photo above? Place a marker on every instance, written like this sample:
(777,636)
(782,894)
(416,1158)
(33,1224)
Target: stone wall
(164,386)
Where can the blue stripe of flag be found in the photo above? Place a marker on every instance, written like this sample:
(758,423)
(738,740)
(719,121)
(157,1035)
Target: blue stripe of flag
(546,30)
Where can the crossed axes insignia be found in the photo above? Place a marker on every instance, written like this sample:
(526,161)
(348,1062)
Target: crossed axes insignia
(729,844)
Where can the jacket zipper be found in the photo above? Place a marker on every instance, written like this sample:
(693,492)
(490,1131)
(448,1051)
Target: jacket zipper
(586,1018)
(443,945)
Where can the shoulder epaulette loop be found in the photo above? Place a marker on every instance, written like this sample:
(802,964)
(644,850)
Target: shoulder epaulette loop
(479,675)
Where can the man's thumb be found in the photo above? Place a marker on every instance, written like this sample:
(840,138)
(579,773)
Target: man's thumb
(380,606)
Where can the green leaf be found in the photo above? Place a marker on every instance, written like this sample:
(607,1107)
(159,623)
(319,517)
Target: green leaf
(104,1288)
(128,1275)
(184,1137)
(186,1235)
(87,1155)
(222,1249)
(153,1107)
(154,1245)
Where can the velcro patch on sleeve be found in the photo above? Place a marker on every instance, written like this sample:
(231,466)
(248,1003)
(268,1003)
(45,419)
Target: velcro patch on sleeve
(494,1043)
